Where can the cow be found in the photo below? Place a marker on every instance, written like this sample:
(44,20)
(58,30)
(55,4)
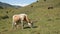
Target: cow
(20,18)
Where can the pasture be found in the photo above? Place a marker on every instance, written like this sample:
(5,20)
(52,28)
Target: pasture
(46,21)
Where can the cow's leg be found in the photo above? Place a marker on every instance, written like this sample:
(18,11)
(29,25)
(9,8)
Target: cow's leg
(14,24)
(22,25)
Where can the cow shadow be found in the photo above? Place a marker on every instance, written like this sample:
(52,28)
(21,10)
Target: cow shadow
(30,27)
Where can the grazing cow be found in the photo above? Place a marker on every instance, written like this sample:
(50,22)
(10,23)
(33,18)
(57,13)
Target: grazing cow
(21,18)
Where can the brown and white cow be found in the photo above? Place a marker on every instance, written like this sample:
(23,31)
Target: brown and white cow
(21,18)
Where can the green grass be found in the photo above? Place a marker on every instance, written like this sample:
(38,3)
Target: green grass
(47,21)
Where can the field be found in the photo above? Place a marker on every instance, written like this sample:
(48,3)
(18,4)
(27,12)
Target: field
(46,21)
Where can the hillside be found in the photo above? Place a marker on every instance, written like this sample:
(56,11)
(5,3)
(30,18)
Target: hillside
(6,5)
(45,18)
(6,8)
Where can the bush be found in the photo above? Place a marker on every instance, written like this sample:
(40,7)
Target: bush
(44,0)
(4,17)
(32,6)
(1,7)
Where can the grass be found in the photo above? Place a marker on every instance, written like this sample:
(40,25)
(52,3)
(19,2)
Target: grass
(47,21)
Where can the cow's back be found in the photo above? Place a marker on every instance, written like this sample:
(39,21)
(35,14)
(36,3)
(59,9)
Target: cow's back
(22,16)
(16,17)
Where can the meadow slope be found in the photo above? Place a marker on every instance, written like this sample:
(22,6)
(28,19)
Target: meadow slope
(47,21)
